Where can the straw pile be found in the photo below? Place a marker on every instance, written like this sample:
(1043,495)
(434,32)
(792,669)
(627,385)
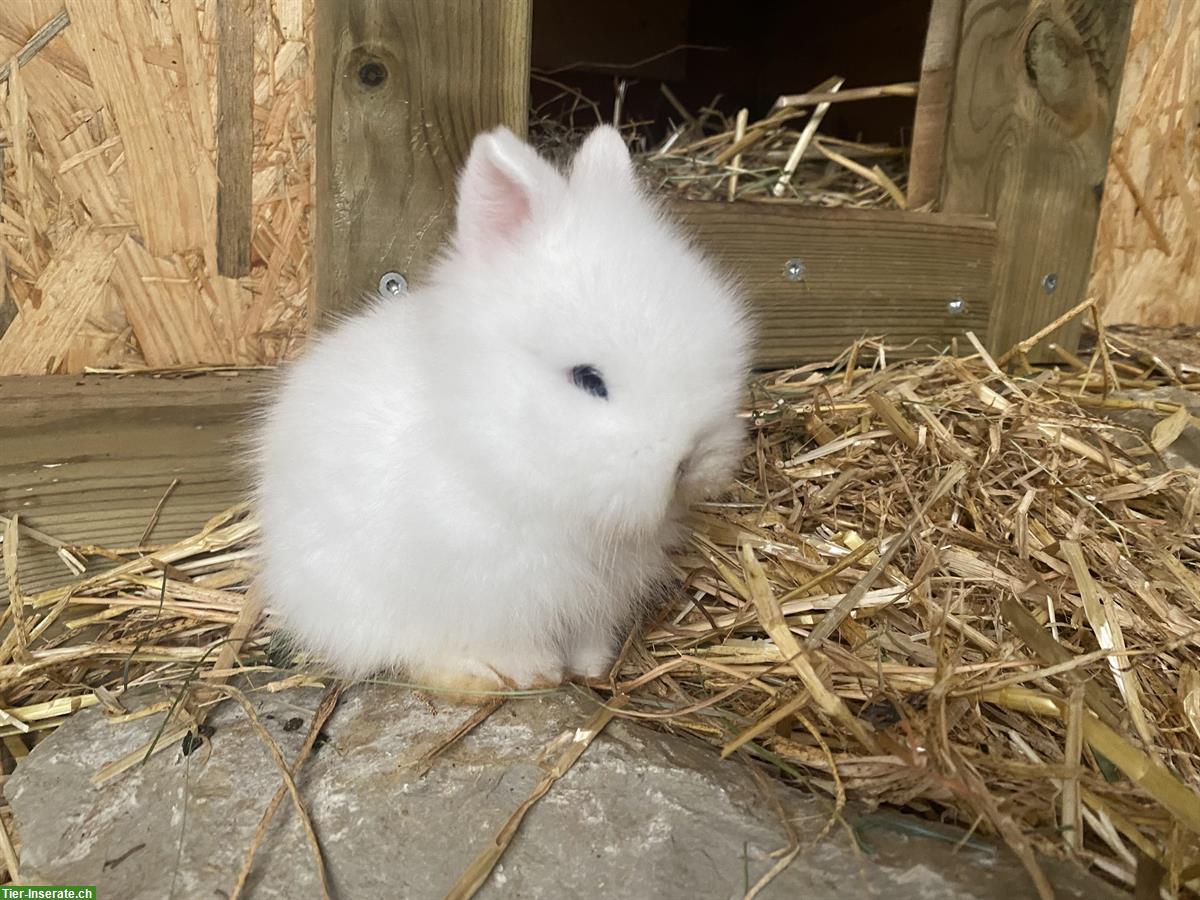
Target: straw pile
(781,157)
(1145,268)
(936,585)
(956,592)
(110,219)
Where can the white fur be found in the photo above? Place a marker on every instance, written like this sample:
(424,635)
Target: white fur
(436,495)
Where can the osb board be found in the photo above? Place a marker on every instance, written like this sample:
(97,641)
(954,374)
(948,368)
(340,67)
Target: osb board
(112,134)
(1145,269)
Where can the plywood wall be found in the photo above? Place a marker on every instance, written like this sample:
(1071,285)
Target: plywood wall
(110,182)
(1146,268)
(109,222)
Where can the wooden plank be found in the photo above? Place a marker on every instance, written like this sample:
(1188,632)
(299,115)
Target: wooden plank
(8,306)
(402,88)
(87,458)
(928,152)
(1035,93)
(235,134)
(866,272)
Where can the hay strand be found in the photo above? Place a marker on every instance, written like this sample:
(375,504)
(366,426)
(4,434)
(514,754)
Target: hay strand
(711,156)
(324,710)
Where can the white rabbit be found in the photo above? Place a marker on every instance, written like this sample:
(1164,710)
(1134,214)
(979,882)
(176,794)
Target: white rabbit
(477,484)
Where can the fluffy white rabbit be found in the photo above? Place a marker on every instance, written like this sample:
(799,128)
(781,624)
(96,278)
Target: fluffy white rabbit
(477,484)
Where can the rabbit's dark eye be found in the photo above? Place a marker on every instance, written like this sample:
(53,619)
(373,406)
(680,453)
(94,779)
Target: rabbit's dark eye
(587,378)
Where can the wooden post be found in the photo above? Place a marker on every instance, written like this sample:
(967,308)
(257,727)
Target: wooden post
(8,306)
(928,156)
(403,86)
(1035,93)
(235,135)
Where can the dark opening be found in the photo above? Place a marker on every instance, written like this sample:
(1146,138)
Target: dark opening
(711,53)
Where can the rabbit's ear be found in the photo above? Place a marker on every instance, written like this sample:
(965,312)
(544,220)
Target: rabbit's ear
(602,161)
(502,190)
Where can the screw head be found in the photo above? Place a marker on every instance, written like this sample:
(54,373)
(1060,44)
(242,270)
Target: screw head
(793,269)
(957,306)
(1050,282)
(393,284)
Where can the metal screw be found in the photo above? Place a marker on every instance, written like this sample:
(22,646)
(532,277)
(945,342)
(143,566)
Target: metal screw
(793,270)
(957,306)
(393,284)
(1049,282)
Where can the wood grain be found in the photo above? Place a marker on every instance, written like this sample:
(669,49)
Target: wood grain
(37,42)
(17,28)
(928,152)
(1153,185)
(1035,92)
(174,194)
(71,285)
(165,304)
(8,306)
(866,272)
(87,458)
(402,88)
(113,129)
(235,134)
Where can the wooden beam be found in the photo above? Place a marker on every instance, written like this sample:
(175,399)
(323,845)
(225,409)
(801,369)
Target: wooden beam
(86,459)
(8,306)
(403,86)
(235,134)
(1036,89)
(927,156)
(865,272)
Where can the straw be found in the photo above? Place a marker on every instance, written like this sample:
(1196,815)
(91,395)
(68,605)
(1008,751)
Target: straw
(708,155)
(934,585)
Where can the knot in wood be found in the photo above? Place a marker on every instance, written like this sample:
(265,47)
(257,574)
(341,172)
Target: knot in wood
(1058,66)
(372,74)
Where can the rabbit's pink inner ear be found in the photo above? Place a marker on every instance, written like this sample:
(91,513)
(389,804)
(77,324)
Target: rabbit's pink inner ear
(503,202)
(493,205)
